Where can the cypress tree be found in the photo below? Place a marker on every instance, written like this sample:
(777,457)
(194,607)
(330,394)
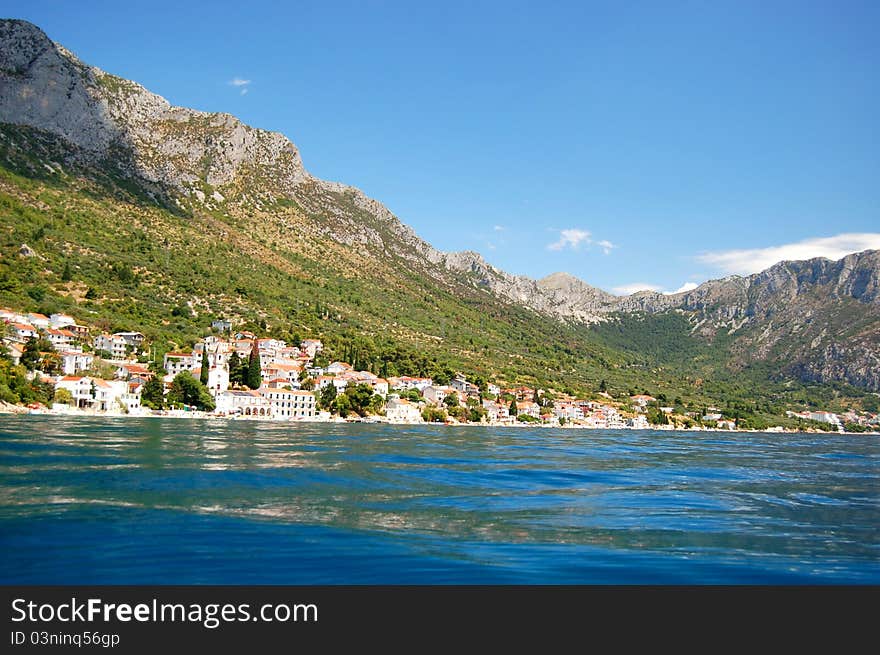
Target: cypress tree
(254,378)
(203,377)
(512,409)
(66,275)
(235,369)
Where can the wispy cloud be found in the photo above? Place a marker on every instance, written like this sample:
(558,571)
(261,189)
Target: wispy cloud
(573,238)
(753,260)
(606,246)
(498,228)
(626,289)
(240,84)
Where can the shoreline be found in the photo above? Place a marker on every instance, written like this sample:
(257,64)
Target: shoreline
(196,415)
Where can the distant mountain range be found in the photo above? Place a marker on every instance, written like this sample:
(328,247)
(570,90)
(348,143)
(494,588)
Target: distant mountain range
(90,150)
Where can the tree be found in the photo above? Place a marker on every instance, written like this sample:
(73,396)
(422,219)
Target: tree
(66,275)
(359,397)
(51,363)
(327,396)
(342,405)
(451,400)
(512,410)
(203,375)
(307,385)
(63,396)
(433,415)
(31,357)
(254,379)
(603,387)
(236,369)
(537,398)
(185,389)
(153,394)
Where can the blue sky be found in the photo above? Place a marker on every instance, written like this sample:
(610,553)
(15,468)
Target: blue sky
(629,143)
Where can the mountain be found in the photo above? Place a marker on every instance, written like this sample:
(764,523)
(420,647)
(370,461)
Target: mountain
(167,216)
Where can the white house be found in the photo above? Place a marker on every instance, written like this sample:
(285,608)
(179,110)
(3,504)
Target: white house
(380,386)
(72,362)
(568,411)
(21,332)
(133,339)
(528,407)
(338,367)
(311,347)
(407,382)
(60,339)
(460,383)
(38,320)
(176,362)
(402,411)
(436,395)
(59,321)
(14,351)
(496,411)
(100,395)
(111,343)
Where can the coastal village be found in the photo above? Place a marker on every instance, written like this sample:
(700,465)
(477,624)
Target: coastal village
(241,375)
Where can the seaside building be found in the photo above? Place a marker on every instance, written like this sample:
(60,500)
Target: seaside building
(289,403)
(402,411)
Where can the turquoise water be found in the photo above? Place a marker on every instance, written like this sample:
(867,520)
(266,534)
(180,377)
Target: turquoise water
(167,501)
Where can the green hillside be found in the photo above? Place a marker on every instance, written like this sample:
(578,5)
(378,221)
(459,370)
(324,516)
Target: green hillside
(120,254)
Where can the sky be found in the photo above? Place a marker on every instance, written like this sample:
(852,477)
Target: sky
(633,144)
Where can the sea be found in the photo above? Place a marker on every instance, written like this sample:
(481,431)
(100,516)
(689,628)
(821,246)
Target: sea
(87,500)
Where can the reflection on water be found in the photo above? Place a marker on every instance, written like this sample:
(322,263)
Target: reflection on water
(165,500)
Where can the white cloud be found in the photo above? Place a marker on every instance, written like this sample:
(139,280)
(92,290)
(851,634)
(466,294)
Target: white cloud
(606,246)
(687,286)
(627,289)
(753,260)
(240,84)
(571,238)
(498,228)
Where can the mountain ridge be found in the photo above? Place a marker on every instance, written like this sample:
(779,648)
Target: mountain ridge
(197,161)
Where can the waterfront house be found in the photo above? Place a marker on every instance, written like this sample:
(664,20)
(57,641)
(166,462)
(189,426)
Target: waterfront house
(289,403)
(402,411)
(243,403)
(528,407)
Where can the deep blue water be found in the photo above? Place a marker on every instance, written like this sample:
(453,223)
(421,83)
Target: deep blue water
(170,501)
